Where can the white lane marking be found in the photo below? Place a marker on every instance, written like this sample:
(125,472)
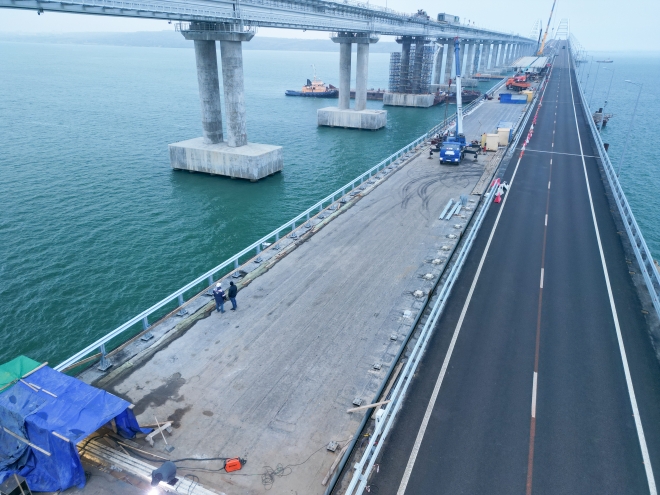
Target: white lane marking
(626,370)
(542,273)
(548,184)
(550,161)
(450,350)
(534,395)
(546,219)
(445,364)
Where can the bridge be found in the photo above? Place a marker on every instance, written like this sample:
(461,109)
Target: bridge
(540,376)
(232,22)
(507,344)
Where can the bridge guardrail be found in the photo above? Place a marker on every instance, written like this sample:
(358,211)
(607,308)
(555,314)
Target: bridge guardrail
(99,345)
(385,422)
(635,236)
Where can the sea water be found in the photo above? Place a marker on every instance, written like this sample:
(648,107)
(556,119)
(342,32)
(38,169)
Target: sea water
(94,225)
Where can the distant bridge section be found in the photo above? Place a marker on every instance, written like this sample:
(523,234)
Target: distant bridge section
(316,15)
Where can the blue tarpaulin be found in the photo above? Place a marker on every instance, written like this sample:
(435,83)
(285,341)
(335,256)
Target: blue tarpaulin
(52,402)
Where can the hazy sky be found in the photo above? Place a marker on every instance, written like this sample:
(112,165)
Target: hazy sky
(598,24)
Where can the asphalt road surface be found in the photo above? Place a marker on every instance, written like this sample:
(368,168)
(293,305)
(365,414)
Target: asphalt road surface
(552,386)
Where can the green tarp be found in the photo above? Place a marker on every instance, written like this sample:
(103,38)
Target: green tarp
(12,371)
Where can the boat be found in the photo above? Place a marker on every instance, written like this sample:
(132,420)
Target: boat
(601,116)
(467,95)
(606,61)
(372,94)
(315,89)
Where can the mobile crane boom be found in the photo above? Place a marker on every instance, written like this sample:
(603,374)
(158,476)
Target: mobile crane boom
(547,28)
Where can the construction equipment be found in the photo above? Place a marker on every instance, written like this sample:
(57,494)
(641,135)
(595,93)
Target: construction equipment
(453,149)
(547,28)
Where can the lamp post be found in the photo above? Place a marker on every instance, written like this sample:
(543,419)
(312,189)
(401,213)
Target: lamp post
(591,98)
(600,124)
(632,123)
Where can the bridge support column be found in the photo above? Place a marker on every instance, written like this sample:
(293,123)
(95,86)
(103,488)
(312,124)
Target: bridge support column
(343,116)
(465,48)
(450,71)
(209,91)
(413,90)
(236,158)
(404,78)
(470,71)
(344,76)
(483,59)
(231,54)
(498,55)
(416,76)
(437,64)
(361,76)
(489,59)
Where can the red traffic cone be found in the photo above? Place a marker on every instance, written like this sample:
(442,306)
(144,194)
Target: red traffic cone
(498,198)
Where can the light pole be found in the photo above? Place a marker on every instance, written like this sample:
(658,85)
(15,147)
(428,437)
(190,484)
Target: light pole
(600,124)
(591,98)
(632,123)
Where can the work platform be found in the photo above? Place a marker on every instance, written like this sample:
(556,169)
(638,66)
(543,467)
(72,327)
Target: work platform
(319,324)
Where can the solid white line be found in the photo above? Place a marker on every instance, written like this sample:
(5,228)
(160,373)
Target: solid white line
(534,395)
(626,370)
(542,273)
(445,364)
(546,219)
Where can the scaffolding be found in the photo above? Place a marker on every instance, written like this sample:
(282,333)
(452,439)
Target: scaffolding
(418,82)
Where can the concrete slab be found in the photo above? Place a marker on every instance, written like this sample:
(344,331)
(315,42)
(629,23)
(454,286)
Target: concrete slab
(406,100)
(253,161)
(354,119)
(272,381)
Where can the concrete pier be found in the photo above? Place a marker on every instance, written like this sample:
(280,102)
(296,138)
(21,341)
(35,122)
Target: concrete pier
(483,58)
(232,78)
(361,76)
(417,65)
(409,92)
(235,158)
(404,78)
(342,115)
(437,64)
(471,66)
(345,76)
(449,66)
(209,90)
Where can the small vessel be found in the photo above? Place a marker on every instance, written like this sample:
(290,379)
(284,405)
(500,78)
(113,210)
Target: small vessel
(315,89)
(467,95)
(601,116)
(372,94)
(606,61)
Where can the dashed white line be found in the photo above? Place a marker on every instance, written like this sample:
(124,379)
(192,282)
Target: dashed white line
(549,184)
(534,395)
(542,273)
(546,219)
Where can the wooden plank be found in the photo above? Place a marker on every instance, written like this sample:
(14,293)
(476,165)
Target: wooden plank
(393,378)
(334,464)
(26,441)
(368,406)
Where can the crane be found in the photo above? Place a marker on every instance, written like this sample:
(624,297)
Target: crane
(545,36)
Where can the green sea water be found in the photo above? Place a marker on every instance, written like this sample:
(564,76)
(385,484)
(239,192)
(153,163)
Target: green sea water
(95,226)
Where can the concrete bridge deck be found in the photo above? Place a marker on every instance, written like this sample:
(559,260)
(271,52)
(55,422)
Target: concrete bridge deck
(541,376)
(273,380)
